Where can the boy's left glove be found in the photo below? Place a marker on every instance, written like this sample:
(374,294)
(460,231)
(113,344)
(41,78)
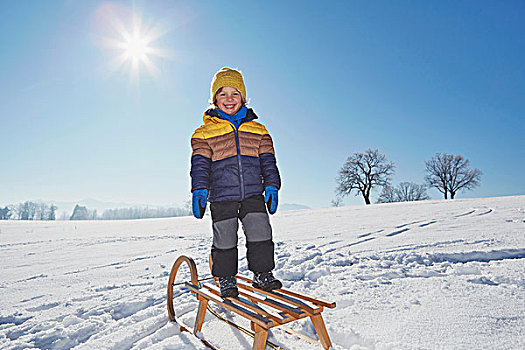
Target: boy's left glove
(198,202)
(271,198)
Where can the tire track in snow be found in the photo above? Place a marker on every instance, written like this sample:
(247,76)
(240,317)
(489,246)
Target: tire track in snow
(408,224)
(434,245)
(361,241)
(370,233)
(428,223)
(465,214)
(485,213)
(32,278)
(395,233)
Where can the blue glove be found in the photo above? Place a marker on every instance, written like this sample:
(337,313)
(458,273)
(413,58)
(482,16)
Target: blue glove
(271,198)
(198,202)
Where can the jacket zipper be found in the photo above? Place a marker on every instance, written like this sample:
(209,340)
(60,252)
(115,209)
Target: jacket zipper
(241,176)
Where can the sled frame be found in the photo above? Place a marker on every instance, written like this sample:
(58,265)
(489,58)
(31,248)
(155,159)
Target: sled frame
(264,310)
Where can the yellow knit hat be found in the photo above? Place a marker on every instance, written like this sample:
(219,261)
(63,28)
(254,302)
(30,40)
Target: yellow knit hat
(227,77)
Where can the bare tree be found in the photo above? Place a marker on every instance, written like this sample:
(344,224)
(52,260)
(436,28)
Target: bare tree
(30,210)
(337,201)
(449,174)
(42,211)
(142,213)
(5,213)
(404,192)
(364,171)
(409,191)
(187,206)
(388,195)
(33,208)
(25,211)
(52,212)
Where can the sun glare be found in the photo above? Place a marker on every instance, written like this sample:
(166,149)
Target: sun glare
(136,48)
(132,42)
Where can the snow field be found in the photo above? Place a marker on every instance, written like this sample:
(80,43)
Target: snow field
(428,275)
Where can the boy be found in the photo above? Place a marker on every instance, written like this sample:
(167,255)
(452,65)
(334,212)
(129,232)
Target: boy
(232,163)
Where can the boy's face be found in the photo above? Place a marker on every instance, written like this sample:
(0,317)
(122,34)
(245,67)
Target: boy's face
(229,100)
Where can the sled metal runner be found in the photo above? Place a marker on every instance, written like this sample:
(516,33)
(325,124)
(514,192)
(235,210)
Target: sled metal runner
(264,310)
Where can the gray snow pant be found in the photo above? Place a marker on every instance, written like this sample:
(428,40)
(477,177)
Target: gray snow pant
(257,229)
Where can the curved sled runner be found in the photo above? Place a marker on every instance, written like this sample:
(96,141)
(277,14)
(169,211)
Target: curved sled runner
(264,310)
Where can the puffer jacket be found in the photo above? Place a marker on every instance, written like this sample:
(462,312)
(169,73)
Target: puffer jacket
(233,164)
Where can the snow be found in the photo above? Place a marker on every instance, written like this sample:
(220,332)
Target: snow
(420,275)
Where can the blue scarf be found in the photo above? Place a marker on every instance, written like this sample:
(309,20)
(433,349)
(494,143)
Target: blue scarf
(234,119)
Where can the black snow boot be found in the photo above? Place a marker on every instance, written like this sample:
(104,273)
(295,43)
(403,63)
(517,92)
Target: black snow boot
(228,287)
(266,281)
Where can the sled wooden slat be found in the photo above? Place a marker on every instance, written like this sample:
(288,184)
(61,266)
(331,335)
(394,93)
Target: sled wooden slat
(287,309)
(253,317)
(264,310)
(310,310)
(317,301)
(314,300)
(274,316)
(262,299)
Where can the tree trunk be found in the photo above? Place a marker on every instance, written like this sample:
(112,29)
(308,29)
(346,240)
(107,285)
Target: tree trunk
(367,198)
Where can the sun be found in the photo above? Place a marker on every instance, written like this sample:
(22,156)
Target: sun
(132,43)
(136,48)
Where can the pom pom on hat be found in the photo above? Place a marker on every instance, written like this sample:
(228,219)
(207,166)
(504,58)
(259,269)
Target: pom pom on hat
(228,77)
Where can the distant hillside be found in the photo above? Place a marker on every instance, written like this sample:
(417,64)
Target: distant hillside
(291,206)
(100,206)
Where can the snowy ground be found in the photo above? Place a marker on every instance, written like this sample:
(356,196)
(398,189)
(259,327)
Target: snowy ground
(428,275)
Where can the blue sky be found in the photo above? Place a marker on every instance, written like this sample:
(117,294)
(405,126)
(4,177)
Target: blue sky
(328,79)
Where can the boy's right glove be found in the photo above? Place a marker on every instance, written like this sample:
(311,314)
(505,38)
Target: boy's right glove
(198,202)
(271,198)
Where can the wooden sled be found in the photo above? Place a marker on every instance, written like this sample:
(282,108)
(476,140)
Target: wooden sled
(264,310)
